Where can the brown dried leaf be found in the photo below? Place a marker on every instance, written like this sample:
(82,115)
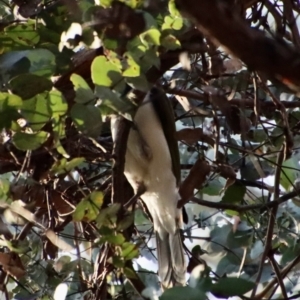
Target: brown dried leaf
(62,207)
(50,249)
(17,214)
(193,135)
(5,258)
(14,271)
(12,264)
(118,21)
(233,65)
(227,171)
(237,122)
(17,207)
(195,179)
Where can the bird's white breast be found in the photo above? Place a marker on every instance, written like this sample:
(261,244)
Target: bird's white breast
(148,161)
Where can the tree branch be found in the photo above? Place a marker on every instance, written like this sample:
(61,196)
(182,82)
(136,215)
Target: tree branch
(219,21)
(243,208)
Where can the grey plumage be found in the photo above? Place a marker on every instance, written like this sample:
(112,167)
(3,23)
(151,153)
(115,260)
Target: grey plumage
(171,261)
(152,160)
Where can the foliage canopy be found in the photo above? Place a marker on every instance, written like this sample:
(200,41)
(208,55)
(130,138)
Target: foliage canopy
(233,81)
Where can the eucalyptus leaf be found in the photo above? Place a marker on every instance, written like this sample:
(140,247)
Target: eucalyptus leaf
(240,239)
(64,166)
(117,239)
(88,209)
(289,172)
(229,287)
(183,292)
(234,193)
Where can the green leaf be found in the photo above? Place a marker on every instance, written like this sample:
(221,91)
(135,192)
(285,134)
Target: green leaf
(125,222)
(64,166)
(43,62)
(133,68)
(139,83)
(172,23)
(84,93)
(106,3)
(29,85)
(219,237)
(36,111)
(57,103)
(289,172)
(230,287)
(112,100)
(173,9)
(130,273)
(170,42)
(4,186)
(213,188)
(9,101)
(228,264)
(240,238)
(88,209)
(19,246)
(198,251)
(4,190)
(117,239)
(29,141)
(177,24)
(87,119)
(58,127)
(130,251)
(151,37)
(234,194)
(183,292)
(118,262)
(290,254)
(24,34)
(249,170)
(110,44)
(9,105)
(259,135)
(105,73)
(108,215)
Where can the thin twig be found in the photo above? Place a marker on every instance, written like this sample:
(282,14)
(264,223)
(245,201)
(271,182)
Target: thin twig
(244,208)
(272,220)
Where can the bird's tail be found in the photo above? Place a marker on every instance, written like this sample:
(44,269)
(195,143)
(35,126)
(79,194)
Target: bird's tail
(171,262)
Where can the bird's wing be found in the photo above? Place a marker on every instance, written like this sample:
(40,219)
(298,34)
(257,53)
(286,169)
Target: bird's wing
(166,116)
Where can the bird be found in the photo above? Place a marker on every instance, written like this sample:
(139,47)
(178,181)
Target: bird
(152,167)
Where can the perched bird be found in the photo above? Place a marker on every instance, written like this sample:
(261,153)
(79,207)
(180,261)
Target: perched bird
(152,165)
